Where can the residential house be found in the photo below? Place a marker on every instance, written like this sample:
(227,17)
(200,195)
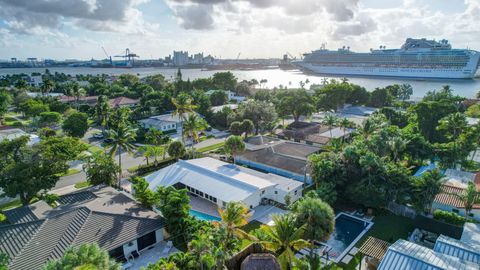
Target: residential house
(285,158)
(312,133)
(89,100)
(219,108)
(219,183)
(38,233)
(230,95)
(448,253)
(167,123)
(123,102)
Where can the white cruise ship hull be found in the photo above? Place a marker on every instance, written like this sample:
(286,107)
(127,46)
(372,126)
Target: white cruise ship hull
(465,73)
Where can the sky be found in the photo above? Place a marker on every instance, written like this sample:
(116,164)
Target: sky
(78,29)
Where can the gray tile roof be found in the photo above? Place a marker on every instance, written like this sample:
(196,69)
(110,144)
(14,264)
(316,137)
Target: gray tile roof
(27,213)
(102,215)
(77,197)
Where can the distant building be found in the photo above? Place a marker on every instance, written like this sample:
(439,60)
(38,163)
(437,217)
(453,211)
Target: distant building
(89,100)
(230,95)
(180,58)
(35,81)
(123,102)
(197,58)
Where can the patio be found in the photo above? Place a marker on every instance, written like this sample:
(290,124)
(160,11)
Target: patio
(150,256)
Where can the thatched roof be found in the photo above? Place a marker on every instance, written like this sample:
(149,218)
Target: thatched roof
(260,261)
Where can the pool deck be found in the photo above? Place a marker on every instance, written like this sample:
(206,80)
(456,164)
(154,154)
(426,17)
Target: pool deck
(204,206)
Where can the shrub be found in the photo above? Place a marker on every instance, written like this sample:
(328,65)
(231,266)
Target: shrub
(50,198)
(448,217)
(3,218)
(144,169)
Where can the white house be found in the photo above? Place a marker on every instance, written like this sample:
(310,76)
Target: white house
(230,95)
(167,123)
(220,182)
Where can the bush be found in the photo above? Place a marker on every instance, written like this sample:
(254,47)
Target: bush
(3,218)
(145,169)
(50,198)
(448,217)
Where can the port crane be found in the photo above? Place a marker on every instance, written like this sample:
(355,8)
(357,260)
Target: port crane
(108,56)
(129,57)
(238,56)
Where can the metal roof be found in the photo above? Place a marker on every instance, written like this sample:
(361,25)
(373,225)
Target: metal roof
(471,233)
(222,180)
(404,255)
(456,248)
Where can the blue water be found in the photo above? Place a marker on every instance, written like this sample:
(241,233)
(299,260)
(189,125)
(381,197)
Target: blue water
(203,216)
(346,230)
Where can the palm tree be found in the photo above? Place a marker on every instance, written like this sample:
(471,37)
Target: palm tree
(192,125)
(47,86)
(284,238)
(152,151)
(201,248)
(469,198)
(183,106)
(453,124)
(397,145)
(234,216)
(121,140)
(426,188)
(102,111)
(234,145)
(330,120)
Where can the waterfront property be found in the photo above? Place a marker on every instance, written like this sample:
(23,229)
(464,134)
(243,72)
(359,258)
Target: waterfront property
(285,158)
(216,182)
(38,233)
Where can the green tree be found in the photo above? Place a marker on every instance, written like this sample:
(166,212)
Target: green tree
(284,238)
(247,127)
(259,112)
(330,120)
(76,124)
(102,111)
(296,102)
(121,140)
(176,150)
(87,256)
(332,96)
(175,206)
(32,107)
(224,80)
(47,86)
(405,92)
(469,198)
(26,170)
(101,169)
(380,97)
(183,107)
(317,217)
(143,193)
(233,217)
(49,119)
(218,97)
(426,188)
(192,126)
(428,113)
(152,151)
(156,137)
(236,128)
(5,101)
(234,145)
(73,89)
(4,261)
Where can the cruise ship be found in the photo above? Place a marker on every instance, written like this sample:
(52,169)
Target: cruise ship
(417,58)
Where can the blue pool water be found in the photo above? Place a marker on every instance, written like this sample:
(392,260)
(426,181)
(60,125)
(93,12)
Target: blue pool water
(203,216)
(347,228)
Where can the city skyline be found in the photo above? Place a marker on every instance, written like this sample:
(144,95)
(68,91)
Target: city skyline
(226,28)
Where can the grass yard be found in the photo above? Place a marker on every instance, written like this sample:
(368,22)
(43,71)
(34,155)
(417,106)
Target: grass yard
(94,149)
(14,204)
(210,148)
(82,185)
(389,227)
(70,172)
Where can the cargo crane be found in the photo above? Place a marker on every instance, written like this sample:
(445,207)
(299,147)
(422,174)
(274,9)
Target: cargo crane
(108,56)
(129,58)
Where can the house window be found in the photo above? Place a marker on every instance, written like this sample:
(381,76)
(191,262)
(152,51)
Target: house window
(276,192)
(295,192)
(215,200)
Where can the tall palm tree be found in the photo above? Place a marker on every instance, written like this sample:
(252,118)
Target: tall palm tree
(183,106)
(152,151)
(469,198)
(234,216)
(121,140)
(192,125)
(47,86)
(397,145)
(284,238)
(201,248)
(426,188)
(330,120)
(453,124)
(102,111)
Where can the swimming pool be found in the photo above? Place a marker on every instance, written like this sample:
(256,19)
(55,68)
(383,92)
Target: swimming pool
(348,230)
(203,216)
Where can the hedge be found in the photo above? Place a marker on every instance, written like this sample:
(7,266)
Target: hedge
(144,169)
(448,217)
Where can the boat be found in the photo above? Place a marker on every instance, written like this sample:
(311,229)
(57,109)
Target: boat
(417,58)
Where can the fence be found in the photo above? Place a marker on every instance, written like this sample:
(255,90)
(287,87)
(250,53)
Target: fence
(402,210)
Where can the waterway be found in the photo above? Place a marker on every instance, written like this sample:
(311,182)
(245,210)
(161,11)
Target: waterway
(274,77)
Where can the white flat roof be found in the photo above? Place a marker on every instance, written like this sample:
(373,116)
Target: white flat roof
(219,179)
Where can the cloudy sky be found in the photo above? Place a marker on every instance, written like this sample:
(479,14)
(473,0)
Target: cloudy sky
(63,29)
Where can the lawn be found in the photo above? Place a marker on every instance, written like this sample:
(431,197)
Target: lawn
(14,204)
(94,149)
(210,148)
(82,185)
(69,172)
(389,227)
